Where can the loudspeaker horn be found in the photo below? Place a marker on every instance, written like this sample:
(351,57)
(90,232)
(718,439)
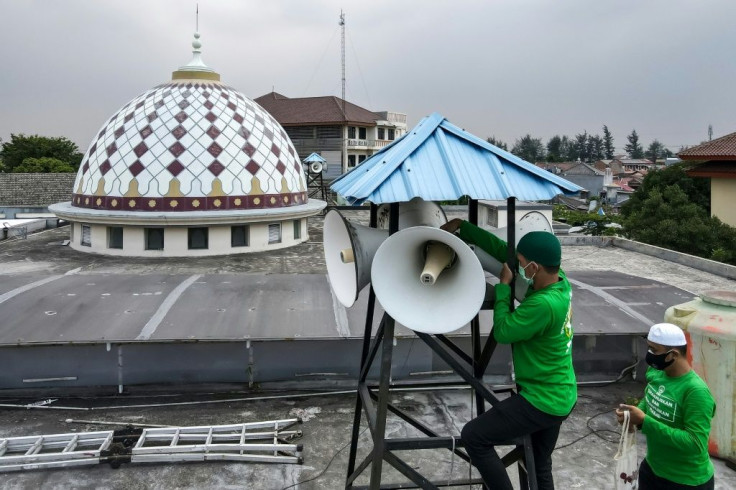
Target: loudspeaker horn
(428,280)
(315,167)
(532,221)
(416,212)
(350,247)
(349,250)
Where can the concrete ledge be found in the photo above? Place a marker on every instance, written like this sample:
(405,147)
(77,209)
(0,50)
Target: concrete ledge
(706,265)
(598,241)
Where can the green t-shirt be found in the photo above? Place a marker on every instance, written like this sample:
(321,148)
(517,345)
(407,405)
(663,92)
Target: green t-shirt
(540,329)
(677,425)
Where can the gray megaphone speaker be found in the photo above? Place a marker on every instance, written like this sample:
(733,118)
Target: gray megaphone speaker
(532,221)
(428,280)
(349,250)
(315,167)
(350,247)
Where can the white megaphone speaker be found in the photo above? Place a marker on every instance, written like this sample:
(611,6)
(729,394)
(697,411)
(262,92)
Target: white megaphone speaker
(532,221)
(350,247)
(428,280)
(315,167)
(416,212)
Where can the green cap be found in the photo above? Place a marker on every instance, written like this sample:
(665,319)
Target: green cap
(541,247)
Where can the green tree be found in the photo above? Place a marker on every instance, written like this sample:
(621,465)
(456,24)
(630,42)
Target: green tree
(607,143)
(568,153)
(581,146)
(656,150)
(595,148)
(671,210)
(529,149)
(666,218)
(496,142)
(554,149)
(21,147)
(697,189)
(44,165)
(634,148)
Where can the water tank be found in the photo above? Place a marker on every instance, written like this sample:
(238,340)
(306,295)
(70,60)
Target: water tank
(709,322)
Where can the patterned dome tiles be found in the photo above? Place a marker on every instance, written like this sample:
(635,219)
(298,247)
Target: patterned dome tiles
(186,146)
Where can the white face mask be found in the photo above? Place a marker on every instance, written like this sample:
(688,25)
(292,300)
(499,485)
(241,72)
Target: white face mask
(522,274)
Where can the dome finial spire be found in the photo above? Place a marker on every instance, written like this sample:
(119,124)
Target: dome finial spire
(196,65)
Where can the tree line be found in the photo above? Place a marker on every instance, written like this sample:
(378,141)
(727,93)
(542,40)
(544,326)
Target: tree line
(39,154)
(584,147)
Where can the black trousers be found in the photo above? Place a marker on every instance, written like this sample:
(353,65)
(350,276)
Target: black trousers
(649,481)
(509,419)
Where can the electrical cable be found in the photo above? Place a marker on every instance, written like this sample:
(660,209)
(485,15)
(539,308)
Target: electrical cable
(362,79)
(592,431)
(326,467)
(319,63)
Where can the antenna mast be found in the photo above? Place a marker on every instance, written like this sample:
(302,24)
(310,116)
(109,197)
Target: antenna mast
(196,24)
(342,26)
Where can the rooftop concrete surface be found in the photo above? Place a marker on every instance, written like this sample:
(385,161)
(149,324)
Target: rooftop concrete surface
(583,459)
(52,293)
(43,253)
(587,463)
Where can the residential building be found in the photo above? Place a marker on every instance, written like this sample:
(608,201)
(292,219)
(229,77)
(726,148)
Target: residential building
(343,133)
(582,174)
(634,164)
(717,161)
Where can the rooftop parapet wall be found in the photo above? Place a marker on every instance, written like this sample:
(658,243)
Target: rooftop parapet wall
(30,190)
(706,265)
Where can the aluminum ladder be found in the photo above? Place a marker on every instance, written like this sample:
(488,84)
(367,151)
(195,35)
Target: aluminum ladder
(53,451)
(258,442)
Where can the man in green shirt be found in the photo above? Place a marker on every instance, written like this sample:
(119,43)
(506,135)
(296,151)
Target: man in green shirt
(540,332)
(674,415)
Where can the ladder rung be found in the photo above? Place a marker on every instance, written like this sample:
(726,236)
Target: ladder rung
(72,445)
(175,439)
(242,438)
(36,447)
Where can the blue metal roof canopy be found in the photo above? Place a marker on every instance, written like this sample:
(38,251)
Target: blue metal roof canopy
(438,161)
(314,157)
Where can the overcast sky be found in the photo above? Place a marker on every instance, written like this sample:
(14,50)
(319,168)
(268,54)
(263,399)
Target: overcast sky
(666,68)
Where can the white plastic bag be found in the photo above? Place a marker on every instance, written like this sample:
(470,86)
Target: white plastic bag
(627,465)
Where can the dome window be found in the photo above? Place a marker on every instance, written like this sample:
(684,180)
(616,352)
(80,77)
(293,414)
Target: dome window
(154,238)
(198,238)
(239,236)
(274,233)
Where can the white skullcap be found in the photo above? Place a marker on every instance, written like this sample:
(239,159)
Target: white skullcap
(667,334)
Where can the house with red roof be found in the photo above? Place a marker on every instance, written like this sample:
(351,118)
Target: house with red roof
(342,133)
(716,160)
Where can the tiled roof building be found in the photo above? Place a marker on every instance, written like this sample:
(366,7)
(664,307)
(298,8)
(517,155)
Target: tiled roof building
(718,159)
(342,133)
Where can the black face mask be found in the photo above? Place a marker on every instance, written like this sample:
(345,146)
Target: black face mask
(657,360)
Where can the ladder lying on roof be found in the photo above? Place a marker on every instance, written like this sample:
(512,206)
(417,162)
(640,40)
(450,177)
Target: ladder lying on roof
(260,442)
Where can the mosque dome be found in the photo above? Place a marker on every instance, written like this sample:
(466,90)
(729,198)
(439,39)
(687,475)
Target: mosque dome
(192,144)
(190,167)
